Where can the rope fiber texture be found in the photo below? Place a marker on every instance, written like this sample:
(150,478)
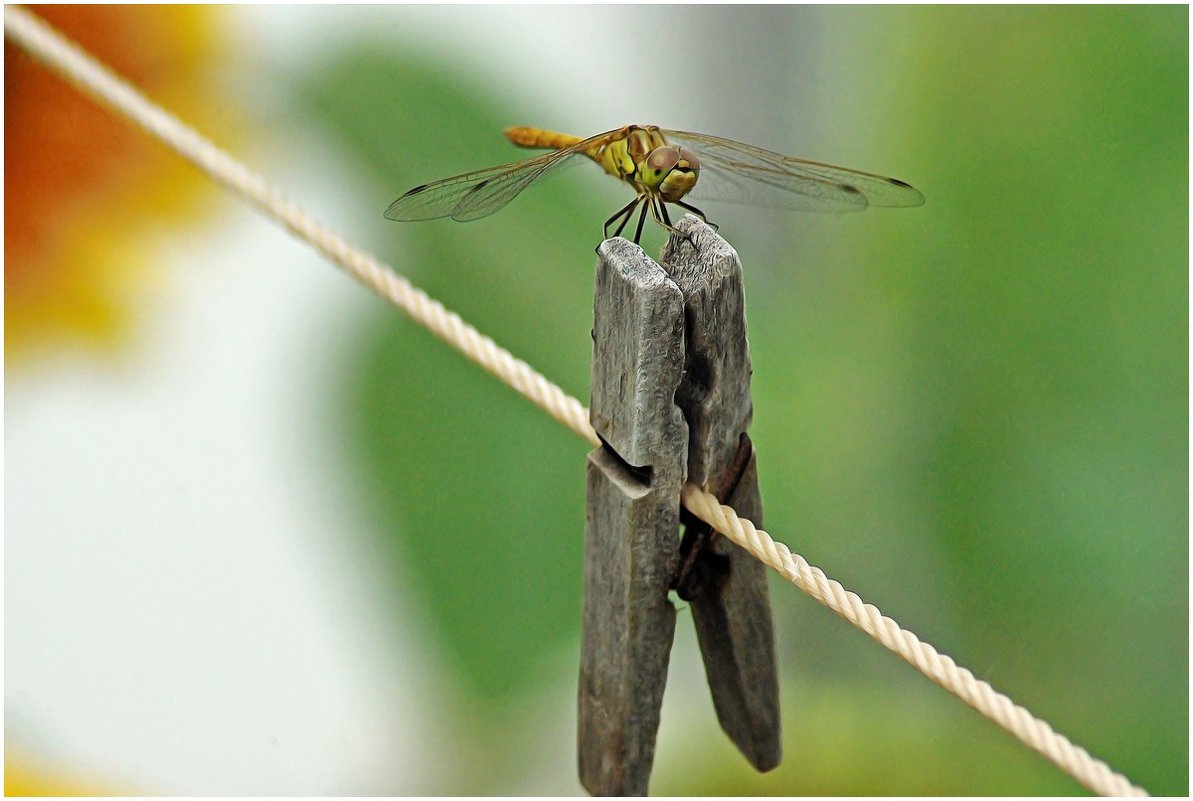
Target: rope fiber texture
(97,81)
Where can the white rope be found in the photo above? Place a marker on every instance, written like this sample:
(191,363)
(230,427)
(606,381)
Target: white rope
(98,81)
(1036,733)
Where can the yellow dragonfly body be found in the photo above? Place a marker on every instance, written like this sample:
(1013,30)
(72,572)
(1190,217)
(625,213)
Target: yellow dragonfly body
(662,167)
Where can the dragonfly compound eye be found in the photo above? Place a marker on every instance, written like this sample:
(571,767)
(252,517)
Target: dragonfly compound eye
(689,160)
(662,160)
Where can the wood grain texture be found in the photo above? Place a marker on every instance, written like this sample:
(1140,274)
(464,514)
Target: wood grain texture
(631,526)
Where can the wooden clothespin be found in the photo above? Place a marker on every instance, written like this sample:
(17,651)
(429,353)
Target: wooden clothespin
(671,402)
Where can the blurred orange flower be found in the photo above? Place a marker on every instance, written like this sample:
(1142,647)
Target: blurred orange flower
(83,188)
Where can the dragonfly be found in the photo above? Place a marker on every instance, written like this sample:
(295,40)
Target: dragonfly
(662,167)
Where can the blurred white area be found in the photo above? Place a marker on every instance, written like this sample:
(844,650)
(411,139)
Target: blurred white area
(184,601)
(135,545)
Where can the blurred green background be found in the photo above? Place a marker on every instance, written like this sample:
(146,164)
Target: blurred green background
(974,413)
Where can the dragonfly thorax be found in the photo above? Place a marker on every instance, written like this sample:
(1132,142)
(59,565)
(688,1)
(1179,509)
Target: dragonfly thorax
(641,156)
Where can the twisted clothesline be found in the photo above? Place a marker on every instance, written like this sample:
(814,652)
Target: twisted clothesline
(96,80)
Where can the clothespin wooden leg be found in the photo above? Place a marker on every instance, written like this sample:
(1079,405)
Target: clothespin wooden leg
(725,585)
(727,590)
(631,529)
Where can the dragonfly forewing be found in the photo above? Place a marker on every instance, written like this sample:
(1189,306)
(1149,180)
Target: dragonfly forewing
(444,198)
(488,196)
(740,173)
(478,194)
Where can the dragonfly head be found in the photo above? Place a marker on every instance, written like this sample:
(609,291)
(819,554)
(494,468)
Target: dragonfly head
(670,171)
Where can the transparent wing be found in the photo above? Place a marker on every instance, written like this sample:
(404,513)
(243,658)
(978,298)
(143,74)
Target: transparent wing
(480,193)
(740,173)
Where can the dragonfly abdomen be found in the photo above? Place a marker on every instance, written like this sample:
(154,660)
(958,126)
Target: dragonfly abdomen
(609,151)
(525,136)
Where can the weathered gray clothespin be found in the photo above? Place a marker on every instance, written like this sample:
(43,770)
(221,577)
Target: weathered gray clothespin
(671,402)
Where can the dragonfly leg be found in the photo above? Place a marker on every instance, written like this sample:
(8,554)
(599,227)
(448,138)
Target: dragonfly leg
(698,213)
(641,220)
(659,210)
(662,212)
(625,213)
